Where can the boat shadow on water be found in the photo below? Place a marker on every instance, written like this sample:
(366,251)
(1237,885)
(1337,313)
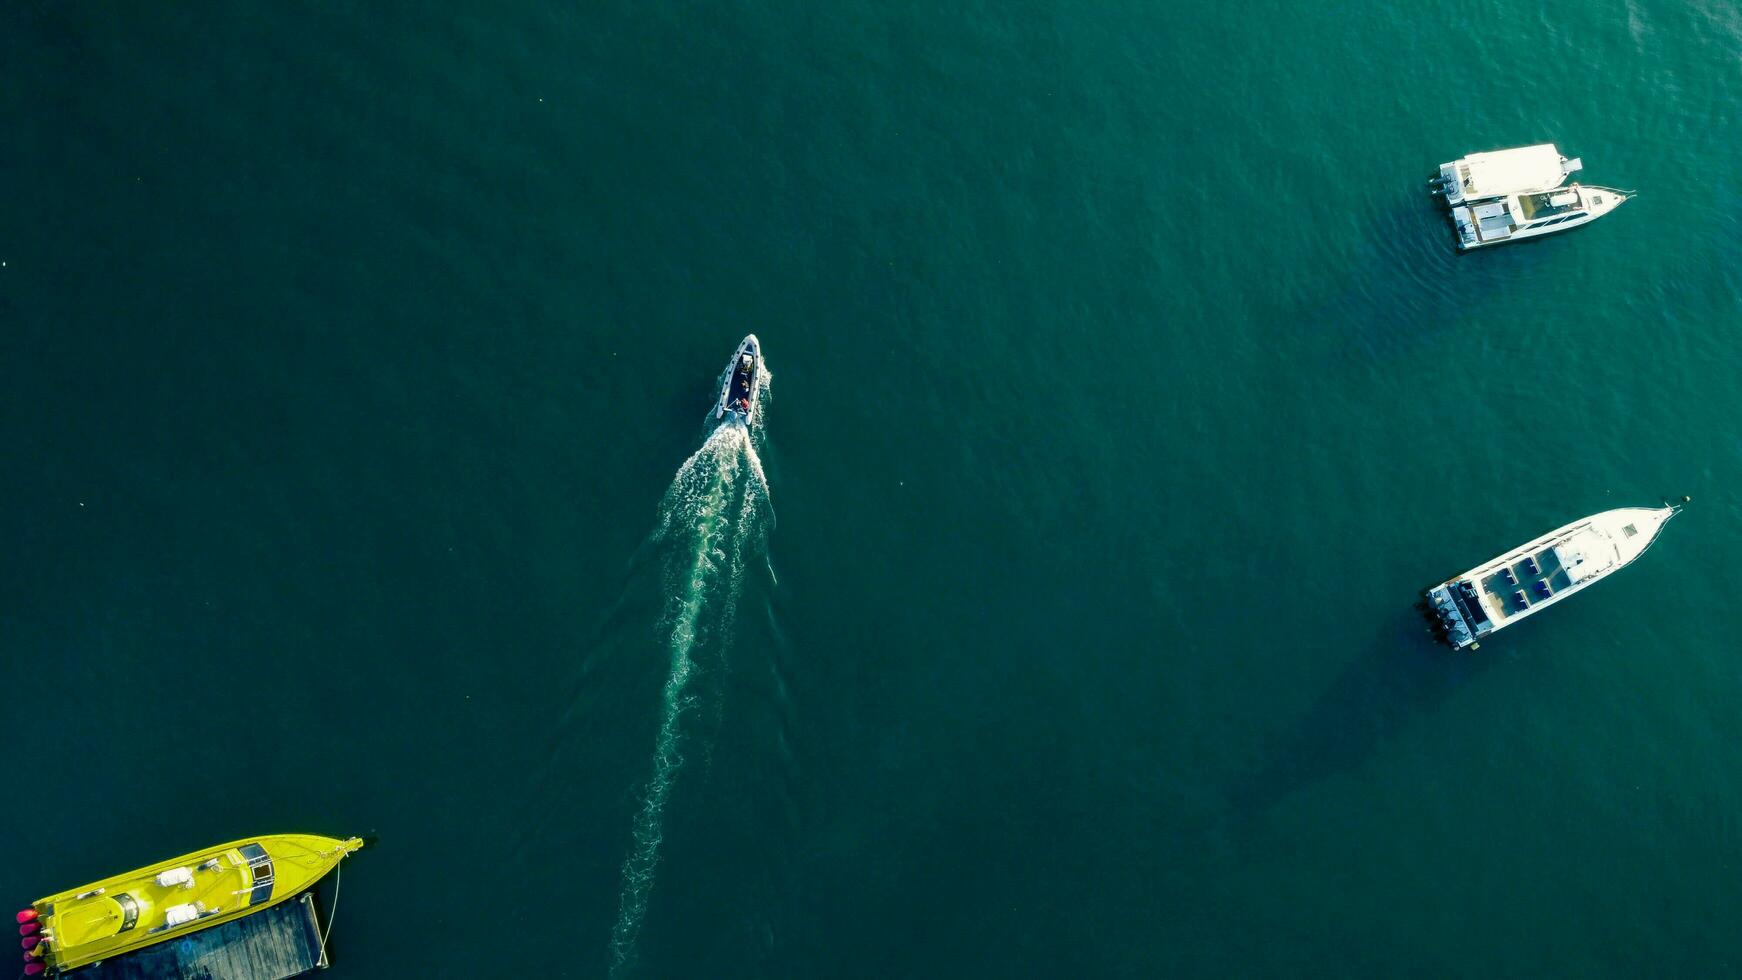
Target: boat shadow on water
(1405,674)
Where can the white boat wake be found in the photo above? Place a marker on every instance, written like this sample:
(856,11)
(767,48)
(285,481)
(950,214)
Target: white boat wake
(714,514)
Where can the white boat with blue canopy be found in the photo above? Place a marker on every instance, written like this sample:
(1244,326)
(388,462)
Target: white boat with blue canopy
(1542,572)
(1509,195)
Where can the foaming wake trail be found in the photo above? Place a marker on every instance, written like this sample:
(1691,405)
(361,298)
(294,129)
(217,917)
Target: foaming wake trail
(711,517)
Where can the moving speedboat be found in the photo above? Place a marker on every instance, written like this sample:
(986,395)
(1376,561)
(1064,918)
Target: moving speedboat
(1568,559)
(1508,195)
(738,396)
(172,898)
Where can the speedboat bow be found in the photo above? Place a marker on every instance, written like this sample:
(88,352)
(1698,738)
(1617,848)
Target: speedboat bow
(738,396)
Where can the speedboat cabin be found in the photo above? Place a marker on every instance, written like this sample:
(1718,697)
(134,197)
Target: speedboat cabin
(1528,215)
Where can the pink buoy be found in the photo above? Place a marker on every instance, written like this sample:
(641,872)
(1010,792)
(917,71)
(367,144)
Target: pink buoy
(30,942)
(32,969)
(26,915)
(30,928)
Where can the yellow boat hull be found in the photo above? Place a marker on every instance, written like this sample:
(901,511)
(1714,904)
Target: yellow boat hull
(172,898)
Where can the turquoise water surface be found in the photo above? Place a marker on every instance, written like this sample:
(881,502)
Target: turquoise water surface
(1055,620)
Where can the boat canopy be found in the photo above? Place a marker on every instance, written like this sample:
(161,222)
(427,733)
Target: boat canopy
(1525,168)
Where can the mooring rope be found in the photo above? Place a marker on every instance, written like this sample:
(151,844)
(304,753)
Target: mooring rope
(333,912)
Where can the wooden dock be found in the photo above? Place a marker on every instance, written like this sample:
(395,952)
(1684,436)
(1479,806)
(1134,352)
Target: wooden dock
(280,942)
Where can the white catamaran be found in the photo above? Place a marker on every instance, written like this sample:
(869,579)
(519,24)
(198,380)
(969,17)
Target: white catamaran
(1540,573)
(1509,195)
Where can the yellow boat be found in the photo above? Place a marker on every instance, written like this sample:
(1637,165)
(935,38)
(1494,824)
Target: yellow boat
(173,898)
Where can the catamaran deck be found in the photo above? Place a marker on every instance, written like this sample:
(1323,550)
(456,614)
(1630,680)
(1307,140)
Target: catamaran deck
(1498,173)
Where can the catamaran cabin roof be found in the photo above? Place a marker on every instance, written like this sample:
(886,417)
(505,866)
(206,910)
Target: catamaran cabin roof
(1525,168)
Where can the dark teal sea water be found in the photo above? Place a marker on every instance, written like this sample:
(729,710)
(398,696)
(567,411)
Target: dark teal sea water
(1126,393)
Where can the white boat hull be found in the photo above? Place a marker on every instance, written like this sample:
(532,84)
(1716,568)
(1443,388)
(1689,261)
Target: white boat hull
(1542,572)
(1480,224)
(1510,195)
